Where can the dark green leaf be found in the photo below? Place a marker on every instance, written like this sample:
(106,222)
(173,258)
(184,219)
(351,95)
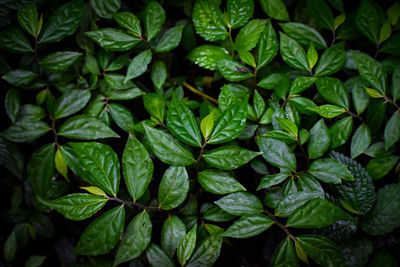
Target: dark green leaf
(392,130)
(327,111)
(167,148)
(137,167)
(113,39)
(319,140)
(276,9)
(11,158)
(233,71)
(170,39)
(155,105)
(20,77)
(26,131)
(360,141)
(248,226)
(331,61)
(277,81)
(59,61)
(158,73)
(383,258)
(334,91)
(239,12)
(12,103)
(207,252)
(121,116)
(76,207)
(369,20)
(71,102)
(300,84)
(136,239)
(154,19)
(229,157)
(207,20)
(321,12)
(35,261)
(340,131)
(304,34)
(240,203)
(157,257)
(105,8)
(128,21)
(218,182)
(330,171)
(86,128)
(285,254)
(186,246)
(13,40)
(173,188)
(138,65)
(102,234)
(317,213)
(248,36)
(267,46)
(63,22)
(173,231)
(28,19)
(207,56)
(292,53)
(277,153)
(273,179)
(379,166)
(10,247)
(292,201)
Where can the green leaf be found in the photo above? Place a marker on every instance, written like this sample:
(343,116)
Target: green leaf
(304,34)
(114,39)
(59,61)
(216,214)
(170,39)
(312,56)
(207,56)
(392,130)
(360,193)
(29,112)
(383,218)
(63,22)
(128,21)
(230,125)
(121,116)
(173,231)
(218,182)
(292,201)
(369,19)
(379,166)
(157,256)
(273,179)
(328,214)
(40,170)
(173,188)
(10,247)
(94,190)
(60,164)
(371,70)
(155,105)
(322,250)
(334,91)
(249,226)
(28,19)
(71,102)
(360,141)
(182,123)
(233,71)
(137,167)
(154,19)
(279,82)
(105,8)
(331,61)
(240,203)
(267,46)
(396,84)
(382,258)
(76,207)
(207,20)
(321,12)
(207,252)
(97,164)
(330,171)
(288,126)
(340,131)
(12,158)
(13,40)
(136,239)
(35,261)
(167,148)
(248,36)
(285,254)
(12,103)
(20,77)
(207,125)
(158,73)
(138,65)
(391,46)
(276,9)
(319,140)
(327,111)
(239,12)
(86,128)
(229,157)
(102,234)
(25,131)
(300,84)
(359,95)
(186,246)
(258,104)
(277,153)
(292,53)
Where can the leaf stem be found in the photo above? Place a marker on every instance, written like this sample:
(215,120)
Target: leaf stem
(391,101)
(201,151)
(194,90)
(53,128)
(132,203)
(280,225)
(355,115)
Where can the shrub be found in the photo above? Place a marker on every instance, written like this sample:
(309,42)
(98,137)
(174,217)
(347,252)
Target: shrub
(175,130)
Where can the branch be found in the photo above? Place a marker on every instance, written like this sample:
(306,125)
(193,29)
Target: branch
(280,225)
(194,90)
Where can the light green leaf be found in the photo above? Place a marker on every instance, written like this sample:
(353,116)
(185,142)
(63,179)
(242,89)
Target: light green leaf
(137,167)
(319,140)
(167,148)
(328,111)
(173,231)
(71,102)
(288,126)
(240,203)
(60,164)
(331,61)
(229,157)
(138,65)
(292,53)
(207,20)
(330,171)
(186,246)
(207,56)
(239,12)
(218,182)
(267,46)
(312,56)
(85,127)
(249,226)
(76,207)
(25,131)
(276,9)
(154,19)
(114,39)
(136,239)
(173,188)
(304,34)
(102,234)
(360,141)
(277,153)
(155,105)
(328,214)
(207,125)
(170,39)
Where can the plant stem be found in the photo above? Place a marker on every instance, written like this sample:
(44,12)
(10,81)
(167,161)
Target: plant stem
(391,102)
(194,90)
(53,128)
(355,115)
(280,225)
(131,203)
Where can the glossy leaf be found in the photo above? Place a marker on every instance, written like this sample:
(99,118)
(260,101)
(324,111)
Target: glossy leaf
(170,39)
(392,130)
(277,153)
(28,19)
(267,46)
(158,73)
(157,256)
(330,171)
(285,254)
(20,77)
(248,226)
(25,131)
(207,56)
(319,140)
(186,246)
(173,231)
(248,36)
(233,71)
(334,91)
(369,20)
(105,8)
(155,105)
(292,53)
(340,131)
(360,141)
(114,39)
(239,12)
(273,179)
(328,111)
(59,61)
(71,102)
(300,84)
(240,203)
(294,200)
(121,116)
(128,21)
(321,12)
(207,252)
(379,166)
(229,157)
(13,40)
(173,188)
(12,103)
(331,61)
(304,34)
(138,65)
(207,20)
(154,19)
(218,182)
(275,9)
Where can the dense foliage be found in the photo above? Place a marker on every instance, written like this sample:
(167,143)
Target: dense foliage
(110,118)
